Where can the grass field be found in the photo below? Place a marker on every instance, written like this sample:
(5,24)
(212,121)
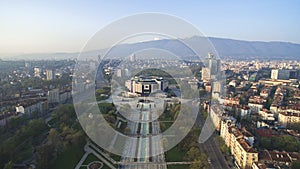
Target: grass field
(174,155)
(90,158)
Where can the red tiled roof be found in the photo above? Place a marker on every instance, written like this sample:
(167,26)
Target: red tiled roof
(236,132)
(266,132)
(279,156)
(246,146)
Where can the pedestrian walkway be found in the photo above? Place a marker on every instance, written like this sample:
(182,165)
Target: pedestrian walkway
(98,153)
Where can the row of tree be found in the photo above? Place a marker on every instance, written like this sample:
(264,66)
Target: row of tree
(66,133)
(190,145)
(282,143)
(18,144)
(25,140)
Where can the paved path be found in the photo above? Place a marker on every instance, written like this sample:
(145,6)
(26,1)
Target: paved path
(144,147)
(97,150)
(87,152)
(103,159)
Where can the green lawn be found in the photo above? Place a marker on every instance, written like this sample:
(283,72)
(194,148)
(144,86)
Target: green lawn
(90,158)
(174,155)
(105,167)
(68,159)
(178,166)
(165,126)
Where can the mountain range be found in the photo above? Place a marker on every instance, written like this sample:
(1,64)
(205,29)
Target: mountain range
(226,48)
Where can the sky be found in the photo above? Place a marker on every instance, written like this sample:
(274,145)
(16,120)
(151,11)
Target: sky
(66,26)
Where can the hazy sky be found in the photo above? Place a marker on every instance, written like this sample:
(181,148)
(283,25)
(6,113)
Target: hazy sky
(55,26)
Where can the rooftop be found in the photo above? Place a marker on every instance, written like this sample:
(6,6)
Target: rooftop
(246,146)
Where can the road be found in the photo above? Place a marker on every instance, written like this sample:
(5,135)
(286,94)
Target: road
(215,155)
(145,146)
(212,149)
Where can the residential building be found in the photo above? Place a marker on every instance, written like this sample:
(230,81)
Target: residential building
(216,113)
(266,114)
(53,96)
(30,108)
(244,154)
(227,126)
(256,103)
(240,144)
(243,110)
(64,96)
(287,118)
(234,101)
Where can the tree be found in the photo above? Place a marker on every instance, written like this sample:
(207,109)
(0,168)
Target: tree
(191,140)
(296,127)
(44,155)
(192,154)
(9,165)
(17,122)
(266,143)
(295,165)
(225,149)
(283,143)
(223,146)
(54,138)
(200,162)
(105,108)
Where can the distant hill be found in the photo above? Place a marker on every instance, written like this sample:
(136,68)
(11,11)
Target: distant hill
(227,48)
(256,49)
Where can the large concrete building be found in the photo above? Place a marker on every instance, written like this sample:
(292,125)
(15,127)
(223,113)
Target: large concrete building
(132,58)
(212,68)
(281,74)
(295,74)
(205,74)
(37,71)
(143,86)
(50,74)
(217,89)
(211,73)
